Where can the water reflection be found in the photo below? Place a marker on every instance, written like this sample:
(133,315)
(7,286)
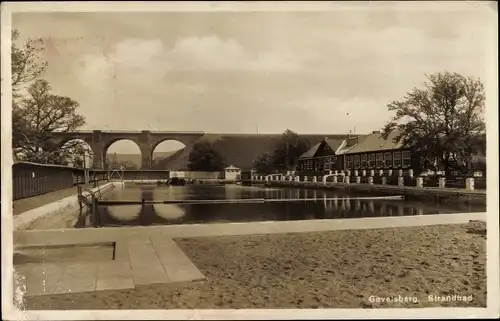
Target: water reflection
(320,204)
(169,211)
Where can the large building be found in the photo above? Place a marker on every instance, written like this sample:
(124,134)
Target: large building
(376,152)
(368,152)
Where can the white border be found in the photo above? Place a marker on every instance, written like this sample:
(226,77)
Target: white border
(491,85)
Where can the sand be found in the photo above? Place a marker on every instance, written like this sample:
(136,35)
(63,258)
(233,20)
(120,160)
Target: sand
(338,269)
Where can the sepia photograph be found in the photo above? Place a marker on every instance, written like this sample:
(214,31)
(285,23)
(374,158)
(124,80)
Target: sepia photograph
(249,160)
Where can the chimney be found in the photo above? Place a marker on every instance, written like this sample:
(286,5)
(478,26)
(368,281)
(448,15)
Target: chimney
(351,141)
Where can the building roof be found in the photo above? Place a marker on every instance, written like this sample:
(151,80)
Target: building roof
(310,153)
(333,143)
(375,142)
(231,167)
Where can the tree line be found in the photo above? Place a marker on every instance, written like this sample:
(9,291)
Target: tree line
(443,121)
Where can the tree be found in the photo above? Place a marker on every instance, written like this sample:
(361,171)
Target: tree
(288,150)
(442,121)
(264,164)
(25,61)
(36,113)
(37,116)
(205,157)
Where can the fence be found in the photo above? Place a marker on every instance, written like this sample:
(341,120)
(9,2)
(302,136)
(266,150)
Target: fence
(31,179)
(390,178)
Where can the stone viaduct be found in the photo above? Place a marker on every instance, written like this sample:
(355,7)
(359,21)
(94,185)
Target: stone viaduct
(99,141)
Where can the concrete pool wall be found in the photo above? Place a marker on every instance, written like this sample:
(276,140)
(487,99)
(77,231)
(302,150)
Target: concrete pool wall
(59,214)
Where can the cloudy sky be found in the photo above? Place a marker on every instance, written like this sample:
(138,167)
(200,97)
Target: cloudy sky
(234,72)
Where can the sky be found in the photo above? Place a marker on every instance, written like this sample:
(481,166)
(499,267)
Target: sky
(326,72)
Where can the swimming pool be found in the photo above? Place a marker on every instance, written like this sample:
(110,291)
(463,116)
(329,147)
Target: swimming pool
(191,204)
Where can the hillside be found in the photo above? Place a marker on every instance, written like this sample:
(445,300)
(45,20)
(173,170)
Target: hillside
(239,150)
(136,158)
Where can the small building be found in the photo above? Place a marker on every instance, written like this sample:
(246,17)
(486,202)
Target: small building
(320,159)
(232,173)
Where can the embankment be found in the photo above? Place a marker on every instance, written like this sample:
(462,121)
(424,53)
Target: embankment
(63,213)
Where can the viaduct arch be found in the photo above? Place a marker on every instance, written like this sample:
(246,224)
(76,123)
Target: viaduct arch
(99,141)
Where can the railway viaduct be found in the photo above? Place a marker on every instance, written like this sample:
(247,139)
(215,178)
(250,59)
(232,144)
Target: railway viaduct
(99,141)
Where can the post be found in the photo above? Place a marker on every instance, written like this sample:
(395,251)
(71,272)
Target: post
(335,179)
(420,182)
(356,172)
(348,172)
(314,179)
(384,180)
(372,172)
(358,180)
(346,179)
(400,173)
(370,180)
(401,181)
(442,182)
(410,173)
(363,172)
(469,184)
(297,178)
(389,172)
(305,179)
(381,172)
(95,211)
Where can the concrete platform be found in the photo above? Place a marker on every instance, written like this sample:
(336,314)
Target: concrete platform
(138,261)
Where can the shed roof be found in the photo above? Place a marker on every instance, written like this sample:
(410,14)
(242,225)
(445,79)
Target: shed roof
(375,142)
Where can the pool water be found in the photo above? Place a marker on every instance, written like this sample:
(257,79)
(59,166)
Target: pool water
(282,204)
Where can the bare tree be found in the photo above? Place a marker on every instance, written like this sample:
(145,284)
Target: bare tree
(26,63)
(443,121)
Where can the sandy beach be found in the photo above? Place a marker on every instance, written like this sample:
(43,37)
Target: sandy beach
(338,269)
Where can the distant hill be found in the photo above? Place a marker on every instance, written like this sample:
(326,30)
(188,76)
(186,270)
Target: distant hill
(136,158)
(239,150)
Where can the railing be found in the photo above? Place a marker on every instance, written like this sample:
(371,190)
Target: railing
(391,178)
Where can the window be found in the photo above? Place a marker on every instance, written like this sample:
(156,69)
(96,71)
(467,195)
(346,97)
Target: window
(371,160)
(349,162)
(397,159)
(380,160)
(318,165)
(357,163)
(363,161)
(406,159)
(327,163)
(388,160)
(309,165)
